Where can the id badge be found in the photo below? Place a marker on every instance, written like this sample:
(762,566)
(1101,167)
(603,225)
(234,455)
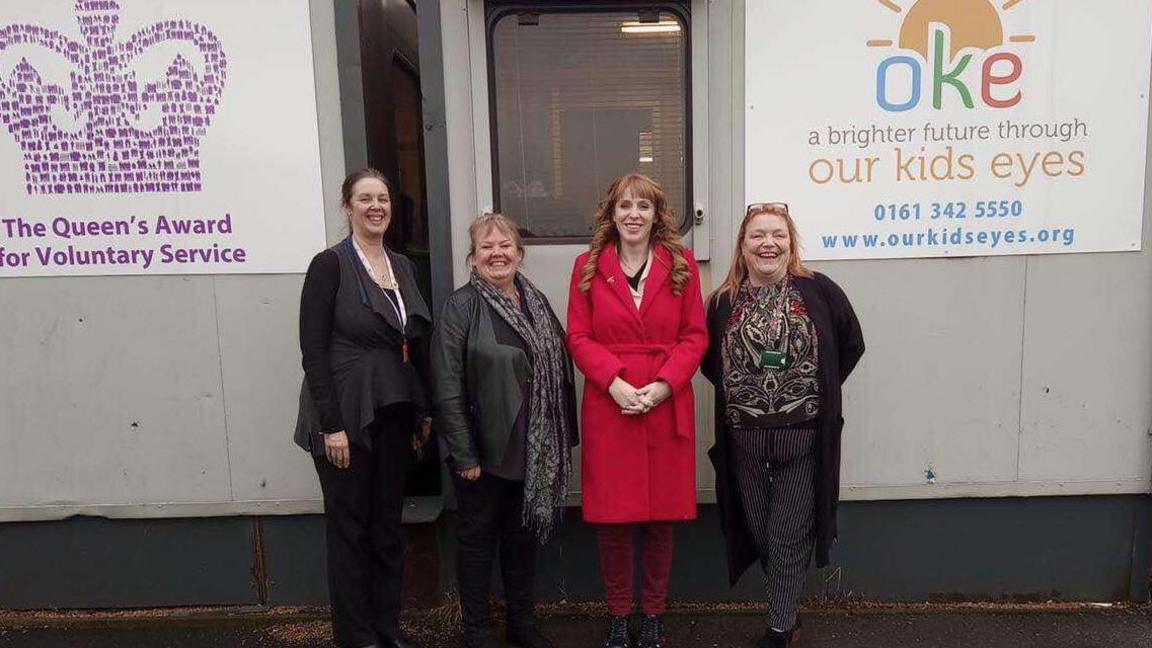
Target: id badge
(770,359)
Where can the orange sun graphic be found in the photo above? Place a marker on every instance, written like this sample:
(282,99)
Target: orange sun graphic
(973,23)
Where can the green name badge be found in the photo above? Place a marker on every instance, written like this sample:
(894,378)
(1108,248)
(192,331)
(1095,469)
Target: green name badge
(770,359)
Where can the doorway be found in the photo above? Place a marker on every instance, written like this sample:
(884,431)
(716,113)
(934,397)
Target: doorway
(394,134)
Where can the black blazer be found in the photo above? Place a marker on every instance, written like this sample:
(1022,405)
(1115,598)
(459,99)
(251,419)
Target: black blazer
(352,341)
(841,344)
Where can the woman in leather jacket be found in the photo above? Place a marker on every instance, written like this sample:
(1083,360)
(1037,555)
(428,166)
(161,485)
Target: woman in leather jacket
(506,421)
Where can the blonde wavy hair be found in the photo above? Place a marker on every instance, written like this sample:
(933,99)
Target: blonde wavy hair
(487,222)
(738,272)
(665,230)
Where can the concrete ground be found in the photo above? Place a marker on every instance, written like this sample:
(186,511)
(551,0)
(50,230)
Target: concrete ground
(706,627)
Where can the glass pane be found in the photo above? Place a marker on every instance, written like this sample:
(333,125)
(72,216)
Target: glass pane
(580,99)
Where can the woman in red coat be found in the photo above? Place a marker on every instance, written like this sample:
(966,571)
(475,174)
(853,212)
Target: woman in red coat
(636,330)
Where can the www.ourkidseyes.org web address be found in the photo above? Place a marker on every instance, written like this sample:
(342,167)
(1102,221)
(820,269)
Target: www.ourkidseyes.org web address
(950,237)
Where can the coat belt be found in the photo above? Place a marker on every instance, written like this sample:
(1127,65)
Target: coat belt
(630,347)
(655,349)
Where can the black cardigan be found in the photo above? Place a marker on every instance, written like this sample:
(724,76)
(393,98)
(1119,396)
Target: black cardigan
(351,342)
(840,345)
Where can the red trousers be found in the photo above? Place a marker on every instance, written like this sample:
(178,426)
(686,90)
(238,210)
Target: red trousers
(615,542)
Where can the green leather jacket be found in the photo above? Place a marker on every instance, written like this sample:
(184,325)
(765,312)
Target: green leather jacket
(480,384)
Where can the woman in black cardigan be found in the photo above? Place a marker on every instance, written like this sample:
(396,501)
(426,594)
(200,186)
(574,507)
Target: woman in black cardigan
(782,339)
(364,330)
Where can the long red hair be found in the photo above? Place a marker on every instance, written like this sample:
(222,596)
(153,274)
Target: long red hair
(665,229)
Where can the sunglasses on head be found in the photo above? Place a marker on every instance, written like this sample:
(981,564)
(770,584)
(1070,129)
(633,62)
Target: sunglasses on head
(767,208)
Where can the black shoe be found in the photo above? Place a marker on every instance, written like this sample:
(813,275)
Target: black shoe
(653,634)
(527,635)
(774,639)
(618,635)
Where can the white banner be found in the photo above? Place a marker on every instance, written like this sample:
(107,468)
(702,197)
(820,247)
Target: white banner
(145,137)
(924,128)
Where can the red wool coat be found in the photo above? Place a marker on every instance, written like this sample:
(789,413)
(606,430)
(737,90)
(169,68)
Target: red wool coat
(637,468)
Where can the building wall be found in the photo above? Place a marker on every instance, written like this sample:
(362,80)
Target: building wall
(179,391)
(179,398)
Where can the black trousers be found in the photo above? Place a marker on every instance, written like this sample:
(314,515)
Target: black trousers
(489,512)
(362,506)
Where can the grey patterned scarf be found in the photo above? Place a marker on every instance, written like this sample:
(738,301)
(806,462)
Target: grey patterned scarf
(549,463)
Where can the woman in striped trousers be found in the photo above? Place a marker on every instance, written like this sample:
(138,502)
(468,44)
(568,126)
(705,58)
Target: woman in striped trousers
(782,339)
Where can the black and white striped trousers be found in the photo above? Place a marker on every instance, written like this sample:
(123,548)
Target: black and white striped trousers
(774,471)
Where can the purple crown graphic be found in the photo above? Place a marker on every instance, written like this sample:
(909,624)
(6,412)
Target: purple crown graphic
(114,150)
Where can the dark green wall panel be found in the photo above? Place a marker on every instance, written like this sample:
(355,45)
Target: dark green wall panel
(1059,548)
(94,562)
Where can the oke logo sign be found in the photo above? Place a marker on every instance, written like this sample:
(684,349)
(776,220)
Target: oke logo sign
(106,130)
(943,34)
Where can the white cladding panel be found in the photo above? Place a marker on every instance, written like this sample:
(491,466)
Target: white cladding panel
(937,392)
(1086,411)
(261,373)
(111,393)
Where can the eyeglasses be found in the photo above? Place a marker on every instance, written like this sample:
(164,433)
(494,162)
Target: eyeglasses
(767,208)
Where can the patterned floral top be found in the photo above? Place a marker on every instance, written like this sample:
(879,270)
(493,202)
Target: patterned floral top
(770,318)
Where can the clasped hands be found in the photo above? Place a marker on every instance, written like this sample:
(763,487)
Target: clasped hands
(638,400)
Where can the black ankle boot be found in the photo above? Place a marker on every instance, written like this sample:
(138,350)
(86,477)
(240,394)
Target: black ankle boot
(618,635)
(652,632)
